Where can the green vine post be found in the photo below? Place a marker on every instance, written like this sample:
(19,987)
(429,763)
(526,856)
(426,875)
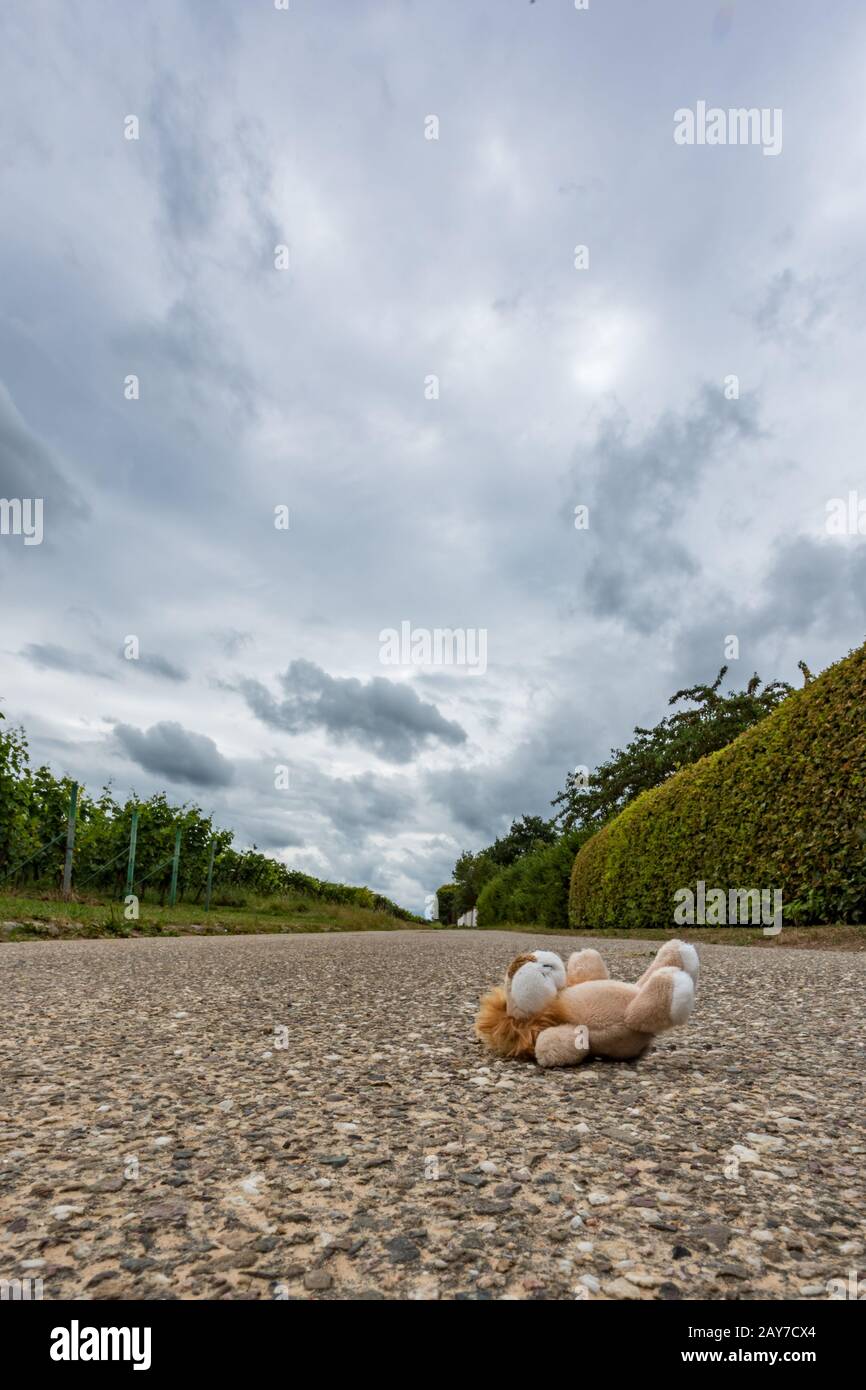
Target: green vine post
(133,836)
(209,876)
(70,840)
(172,892)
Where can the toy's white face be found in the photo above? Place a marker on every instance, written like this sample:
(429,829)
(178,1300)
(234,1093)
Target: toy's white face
(535,983)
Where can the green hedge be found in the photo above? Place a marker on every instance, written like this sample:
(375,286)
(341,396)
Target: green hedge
(446,903)
(782,807)
(533,890)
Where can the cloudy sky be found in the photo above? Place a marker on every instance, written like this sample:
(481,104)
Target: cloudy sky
(310,388)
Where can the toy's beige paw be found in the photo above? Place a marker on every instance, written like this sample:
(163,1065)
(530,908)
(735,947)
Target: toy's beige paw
(585,965)
(664,1001)
(674,955)
(687,959)
(564,1046)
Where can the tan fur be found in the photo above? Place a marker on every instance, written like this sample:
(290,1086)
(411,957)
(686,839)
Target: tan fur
(621,1019)
(508,1036)
(561,1047)
(516,964)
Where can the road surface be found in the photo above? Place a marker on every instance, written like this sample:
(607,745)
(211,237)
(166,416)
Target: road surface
(310,1117)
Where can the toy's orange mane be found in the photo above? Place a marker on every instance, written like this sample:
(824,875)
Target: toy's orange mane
(507,1036)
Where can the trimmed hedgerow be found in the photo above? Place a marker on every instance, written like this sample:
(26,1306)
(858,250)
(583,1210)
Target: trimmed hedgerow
(782,807)
(533,890)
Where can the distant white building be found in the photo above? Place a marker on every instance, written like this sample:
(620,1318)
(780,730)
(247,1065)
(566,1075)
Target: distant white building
(469,919)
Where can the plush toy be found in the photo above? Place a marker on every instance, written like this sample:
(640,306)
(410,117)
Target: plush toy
(562,1016)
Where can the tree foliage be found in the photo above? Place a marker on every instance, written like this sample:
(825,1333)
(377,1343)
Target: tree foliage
(473,871)
(534,889)
(712,721)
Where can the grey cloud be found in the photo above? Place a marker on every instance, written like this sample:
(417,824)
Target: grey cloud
(51,657)
(474,797)
(812,588)
(266,833)
(337,815)
(78,616)
(484,799)
(168,750)
(385,715)
(192,197)
(367,804)
(791,305)
(638,492)
(156,665)
(812,581)
(189,191)
(188,361)
(231,640)
(29,469)
(508,304)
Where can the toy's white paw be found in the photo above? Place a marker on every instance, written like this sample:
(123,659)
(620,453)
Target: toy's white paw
(689,957)
(682,996)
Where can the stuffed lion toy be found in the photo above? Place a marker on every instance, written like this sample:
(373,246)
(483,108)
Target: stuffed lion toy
(562,1015)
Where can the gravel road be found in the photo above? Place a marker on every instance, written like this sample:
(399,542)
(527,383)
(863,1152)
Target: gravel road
(311,1117)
